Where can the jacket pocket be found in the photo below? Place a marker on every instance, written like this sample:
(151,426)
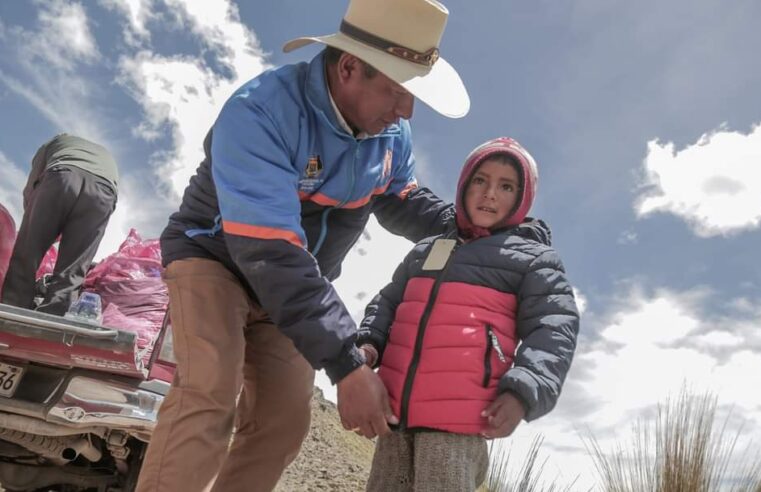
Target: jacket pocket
(492,344)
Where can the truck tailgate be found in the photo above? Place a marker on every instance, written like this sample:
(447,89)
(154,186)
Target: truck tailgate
(38,337)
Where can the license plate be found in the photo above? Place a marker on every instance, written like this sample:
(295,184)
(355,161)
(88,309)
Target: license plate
(10,377)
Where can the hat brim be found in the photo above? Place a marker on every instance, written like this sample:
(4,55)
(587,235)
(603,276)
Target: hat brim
(439,86)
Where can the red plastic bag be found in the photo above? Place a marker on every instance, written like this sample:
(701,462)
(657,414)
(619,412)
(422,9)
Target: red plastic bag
(129,283)
(48,263)
(7,240)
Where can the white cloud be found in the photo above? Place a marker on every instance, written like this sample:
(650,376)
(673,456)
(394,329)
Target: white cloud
(627,237)
(138,14)
(647,351)
(36,99)
(429,176)
(183,93)
(719,339)
(46,62)
(11,186)
(64,36)
(714,184)
(581,301)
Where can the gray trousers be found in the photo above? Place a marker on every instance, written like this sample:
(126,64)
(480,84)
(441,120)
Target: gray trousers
(428,462)
(74,204)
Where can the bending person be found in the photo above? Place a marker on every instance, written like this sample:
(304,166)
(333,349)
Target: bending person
(71,192)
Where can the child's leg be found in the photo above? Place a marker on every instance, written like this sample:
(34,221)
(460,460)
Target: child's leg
(446,462)
(392,464)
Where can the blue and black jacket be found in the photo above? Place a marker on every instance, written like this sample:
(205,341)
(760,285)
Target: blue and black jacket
(282,195)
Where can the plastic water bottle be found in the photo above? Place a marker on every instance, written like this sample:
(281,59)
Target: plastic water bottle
(86,308)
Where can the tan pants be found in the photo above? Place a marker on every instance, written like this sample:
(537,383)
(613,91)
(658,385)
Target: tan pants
(226,349)
(428,462)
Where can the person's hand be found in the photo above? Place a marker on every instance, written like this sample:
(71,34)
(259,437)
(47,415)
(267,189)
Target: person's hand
(363,403)
(502,416)
(371,354)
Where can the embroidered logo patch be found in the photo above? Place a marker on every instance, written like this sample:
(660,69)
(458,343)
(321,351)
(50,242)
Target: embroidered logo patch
(312,179)
(314,167)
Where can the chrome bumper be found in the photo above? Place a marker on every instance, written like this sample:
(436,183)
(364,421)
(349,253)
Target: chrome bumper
(89,402)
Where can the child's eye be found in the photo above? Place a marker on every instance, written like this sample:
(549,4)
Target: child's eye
(508,187)
(477,180)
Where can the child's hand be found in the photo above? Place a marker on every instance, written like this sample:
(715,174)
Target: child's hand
(503,416)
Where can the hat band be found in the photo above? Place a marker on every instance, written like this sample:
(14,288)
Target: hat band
(427,58)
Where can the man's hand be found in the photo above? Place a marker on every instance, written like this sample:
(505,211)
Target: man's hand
(502,416)
(363,403)
(370,353)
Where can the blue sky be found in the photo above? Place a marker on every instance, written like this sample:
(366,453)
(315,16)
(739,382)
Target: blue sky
(643,117)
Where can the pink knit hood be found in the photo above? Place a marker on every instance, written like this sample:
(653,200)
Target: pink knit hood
(528,175)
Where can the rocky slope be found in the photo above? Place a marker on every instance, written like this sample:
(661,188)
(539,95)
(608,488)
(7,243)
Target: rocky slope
(331,458)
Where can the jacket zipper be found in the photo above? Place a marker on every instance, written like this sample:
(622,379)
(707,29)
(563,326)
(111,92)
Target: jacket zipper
(492,343)
(497,346)
(407,390)
(487,357)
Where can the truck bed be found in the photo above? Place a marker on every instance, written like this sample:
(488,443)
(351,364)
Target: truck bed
(31,336)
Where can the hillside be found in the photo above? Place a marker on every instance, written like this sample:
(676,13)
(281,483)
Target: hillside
(331,459)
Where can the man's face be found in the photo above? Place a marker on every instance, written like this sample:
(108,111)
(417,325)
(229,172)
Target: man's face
(370,104)
(491,193)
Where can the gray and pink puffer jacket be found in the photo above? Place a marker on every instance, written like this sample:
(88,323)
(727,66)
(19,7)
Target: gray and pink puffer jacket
(499,316)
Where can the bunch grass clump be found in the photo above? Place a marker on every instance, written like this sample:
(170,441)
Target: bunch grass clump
(529,477)
(683,451)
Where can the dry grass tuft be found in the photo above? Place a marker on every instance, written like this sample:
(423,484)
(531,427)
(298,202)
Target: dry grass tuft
(684,453)
(501,476)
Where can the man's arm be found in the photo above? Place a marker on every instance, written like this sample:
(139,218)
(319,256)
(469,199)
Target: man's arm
(256,187)
(416,215)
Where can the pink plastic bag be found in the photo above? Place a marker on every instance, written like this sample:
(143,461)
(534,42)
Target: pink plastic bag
(129,284)
(48,263)
(7,240)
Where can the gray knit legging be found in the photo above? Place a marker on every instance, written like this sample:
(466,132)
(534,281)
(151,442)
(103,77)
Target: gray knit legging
(428,462)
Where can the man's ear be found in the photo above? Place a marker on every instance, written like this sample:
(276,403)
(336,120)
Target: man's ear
(348,66)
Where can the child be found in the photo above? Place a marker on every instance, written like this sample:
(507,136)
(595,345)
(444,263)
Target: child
(445,331)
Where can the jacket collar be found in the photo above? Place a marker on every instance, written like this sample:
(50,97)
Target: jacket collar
(319,99)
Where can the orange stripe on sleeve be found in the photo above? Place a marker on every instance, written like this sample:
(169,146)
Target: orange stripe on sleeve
(261,232)
(326,201)
(406,191)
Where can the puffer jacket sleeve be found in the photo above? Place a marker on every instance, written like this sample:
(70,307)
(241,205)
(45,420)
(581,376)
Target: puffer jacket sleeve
(380,312)
(417,215)
(547,325)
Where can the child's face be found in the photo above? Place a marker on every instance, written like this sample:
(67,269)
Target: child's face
(491,193)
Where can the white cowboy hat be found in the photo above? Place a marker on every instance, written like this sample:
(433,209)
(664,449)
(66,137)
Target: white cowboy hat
(401,38)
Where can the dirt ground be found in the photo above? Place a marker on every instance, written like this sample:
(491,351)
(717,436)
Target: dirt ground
(331,458)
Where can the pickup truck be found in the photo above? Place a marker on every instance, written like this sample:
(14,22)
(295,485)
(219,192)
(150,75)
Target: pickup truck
(78,402)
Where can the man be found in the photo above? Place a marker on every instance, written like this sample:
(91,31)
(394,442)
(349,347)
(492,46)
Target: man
(71,192)
(295,163)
